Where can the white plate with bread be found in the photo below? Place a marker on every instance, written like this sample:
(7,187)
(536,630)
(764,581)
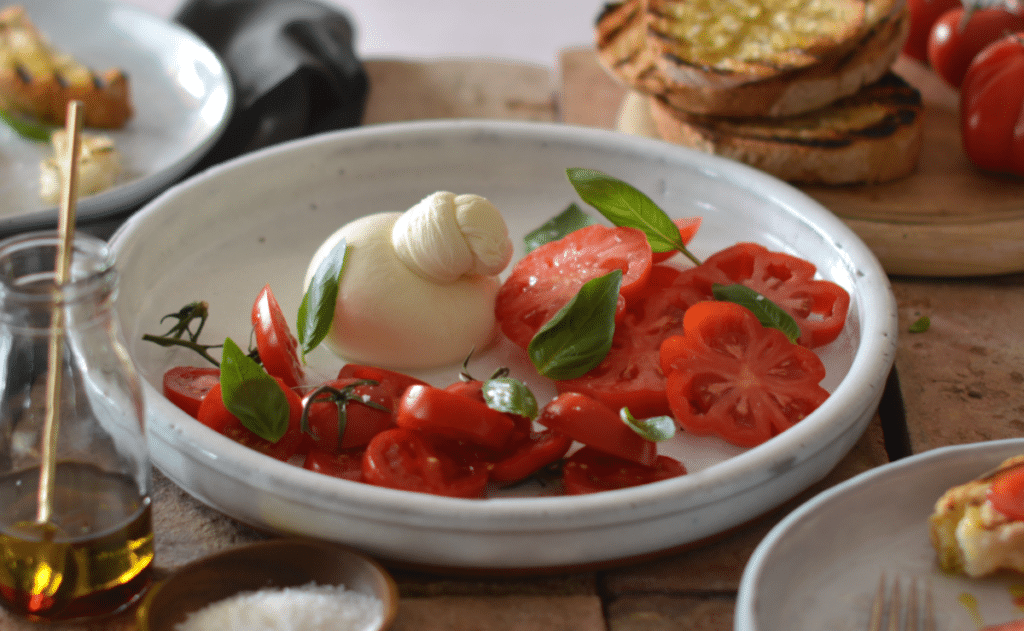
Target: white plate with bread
(258,219)
(179,94)
(820,567)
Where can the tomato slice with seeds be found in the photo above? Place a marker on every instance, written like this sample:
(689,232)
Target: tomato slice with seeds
(730,376)
(404,459)
(591,471)
(187,386)
(818,306)
(346,464)
(630,375)
(278,348)
(215,415)
(546,279)
(593,423)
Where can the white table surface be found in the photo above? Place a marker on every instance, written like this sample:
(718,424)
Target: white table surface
(522,30)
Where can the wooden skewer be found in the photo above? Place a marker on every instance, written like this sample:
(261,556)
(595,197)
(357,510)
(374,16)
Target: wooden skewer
(66,237)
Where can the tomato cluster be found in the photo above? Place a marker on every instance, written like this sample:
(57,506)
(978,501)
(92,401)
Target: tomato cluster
(980,51)
(391,429)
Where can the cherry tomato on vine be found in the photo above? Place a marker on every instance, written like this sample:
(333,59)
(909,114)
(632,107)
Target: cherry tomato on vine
(278,348)
(594,424)
(452,415)
(546,279)
(818,306)
(1006,493)
(954,42)
(187,386)
(992,107)
(590,471)
(368,410)
(405,459)
(923,14)
(729,376)
(215,415)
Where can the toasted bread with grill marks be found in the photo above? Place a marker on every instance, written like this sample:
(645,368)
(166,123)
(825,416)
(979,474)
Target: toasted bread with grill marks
(654,46)
(38,80)
(870,137)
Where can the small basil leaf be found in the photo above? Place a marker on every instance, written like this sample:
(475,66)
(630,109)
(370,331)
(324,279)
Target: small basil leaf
(25,128)
(579,336)
(510,396)
(317,307)
(921,325)
(566,222)
(252,395)
(655,428)
(768,313)
(624,205)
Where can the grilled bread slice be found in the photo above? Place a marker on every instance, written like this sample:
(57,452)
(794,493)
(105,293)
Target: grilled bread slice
(775,62)
(970,536)
(38,80)
(871,137)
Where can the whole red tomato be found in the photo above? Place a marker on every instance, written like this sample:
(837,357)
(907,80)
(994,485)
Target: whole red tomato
(960,34)
(992,107)
(923,14)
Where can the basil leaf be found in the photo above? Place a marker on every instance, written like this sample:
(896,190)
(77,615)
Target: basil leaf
(569,220)
(624,205)
(252,395)
(921,325)
(316,311)
(25,128)
(655,428)
(768,313)
(510,396)
(579,336)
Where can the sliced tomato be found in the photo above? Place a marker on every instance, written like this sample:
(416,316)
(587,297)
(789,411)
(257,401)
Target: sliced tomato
(365,407)
(187,386)
(452,415)
(1007,493)
(593,423)
(398,381)
(530,456)
(405,459)
(590,471)
(278,348)
(215,415)
(630,375)
(729,376)
(818,306)
(546,279)
(346,464)
(688,227)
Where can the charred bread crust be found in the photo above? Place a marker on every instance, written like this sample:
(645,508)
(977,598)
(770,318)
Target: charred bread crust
(630,53)
(38,81)
(870,137)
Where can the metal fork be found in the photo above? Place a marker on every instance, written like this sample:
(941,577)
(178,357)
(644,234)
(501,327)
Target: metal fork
(914,617)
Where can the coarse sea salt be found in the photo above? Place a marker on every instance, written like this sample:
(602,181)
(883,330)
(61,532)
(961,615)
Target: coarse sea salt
(309,607)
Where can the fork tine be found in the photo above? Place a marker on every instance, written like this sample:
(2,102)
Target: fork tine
(895,607)
(929,609)
(875,623)
(911,614)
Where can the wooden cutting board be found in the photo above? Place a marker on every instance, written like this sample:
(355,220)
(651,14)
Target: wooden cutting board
(947,219)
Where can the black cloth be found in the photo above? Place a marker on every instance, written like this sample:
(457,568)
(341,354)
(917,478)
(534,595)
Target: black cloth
(293,66)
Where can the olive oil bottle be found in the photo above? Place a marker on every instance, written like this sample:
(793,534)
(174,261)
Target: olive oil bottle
(76,543)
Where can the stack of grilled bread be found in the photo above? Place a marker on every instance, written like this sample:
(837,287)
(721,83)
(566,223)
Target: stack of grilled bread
(799,88)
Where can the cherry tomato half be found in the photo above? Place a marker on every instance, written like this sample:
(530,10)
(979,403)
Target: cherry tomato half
(596,425)
(346,464)
(278,348)
(590,471)
(730,376)
(954,42)
(546,279)
(405,459)
(530,456)
(452,415)
(992,107)
(187,386)
(215,415)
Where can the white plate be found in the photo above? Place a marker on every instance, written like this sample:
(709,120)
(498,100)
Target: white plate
(224,234)
(819,568)
(180,90)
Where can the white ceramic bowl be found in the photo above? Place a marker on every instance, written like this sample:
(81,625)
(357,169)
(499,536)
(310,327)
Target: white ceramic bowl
(820,567)
(223,235)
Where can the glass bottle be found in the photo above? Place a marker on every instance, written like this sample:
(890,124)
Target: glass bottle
(88,552)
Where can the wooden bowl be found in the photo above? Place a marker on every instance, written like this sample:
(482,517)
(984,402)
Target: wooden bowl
(276,563)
